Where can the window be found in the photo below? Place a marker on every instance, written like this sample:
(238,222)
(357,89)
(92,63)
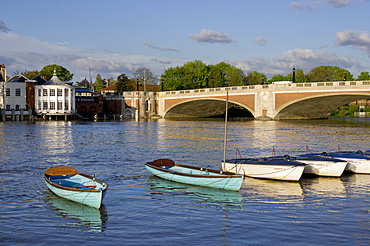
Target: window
(39,92)
(60,92)
(45,105)
(66,92)
(45,92)
(17,107)
(60,105)
(7,92)
(39,105)
(17,92)
(66,105)
(52,105)
(7,107)
(52,92)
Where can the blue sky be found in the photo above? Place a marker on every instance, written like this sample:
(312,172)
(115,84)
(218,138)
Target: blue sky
(115,37)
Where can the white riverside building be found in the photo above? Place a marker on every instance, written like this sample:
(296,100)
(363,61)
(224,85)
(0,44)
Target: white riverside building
(54,98)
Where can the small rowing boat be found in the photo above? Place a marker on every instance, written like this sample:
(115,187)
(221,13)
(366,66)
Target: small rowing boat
(266,168)
(66,182)
(203,177)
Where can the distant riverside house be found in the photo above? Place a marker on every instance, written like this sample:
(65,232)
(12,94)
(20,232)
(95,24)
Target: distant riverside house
(13,96)
(87,104)
(109,89)
(54,97)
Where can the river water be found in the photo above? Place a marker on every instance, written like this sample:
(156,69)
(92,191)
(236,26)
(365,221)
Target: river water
(140,209)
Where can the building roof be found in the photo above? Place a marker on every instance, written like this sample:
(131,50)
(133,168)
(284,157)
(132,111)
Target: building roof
(54,80)
(39,80)
(83,90)
(17,78)
(110,88)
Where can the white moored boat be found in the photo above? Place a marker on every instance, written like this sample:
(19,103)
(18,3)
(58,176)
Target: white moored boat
(322,166)
(356,161)
(266,168)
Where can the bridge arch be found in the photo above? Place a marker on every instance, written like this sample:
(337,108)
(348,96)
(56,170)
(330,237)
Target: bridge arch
(202,107)
(317,106)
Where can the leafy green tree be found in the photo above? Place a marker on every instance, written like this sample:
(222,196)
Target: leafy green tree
(299,76)
(255,78)
(364,76)
(277,77)
(196,74)
(63,73)
(98,82)
(328,73)
(125,84)
(229,75)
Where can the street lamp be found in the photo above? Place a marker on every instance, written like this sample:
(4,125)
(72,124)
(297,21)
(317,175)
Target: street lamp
(91,68)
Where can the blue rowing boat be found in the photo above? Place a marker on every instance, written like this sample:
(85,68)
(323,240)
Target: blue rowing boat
(167,169)
(66,182)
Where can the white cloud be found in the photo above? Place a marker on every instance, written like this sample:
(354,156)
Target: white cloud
(152,46)
(209,36)
(304,59)
(312,5)
(358,40)
(260,41)
(337,3)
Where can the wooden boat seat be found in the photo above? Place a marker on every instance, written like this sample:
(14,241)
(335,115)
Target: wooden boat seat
(163,162)
(61,170)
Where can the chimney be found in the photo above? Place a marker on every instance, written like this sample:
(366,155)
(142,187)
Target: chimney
(3,72)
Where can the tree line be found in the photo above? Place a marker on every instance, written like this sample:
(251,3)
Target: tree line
(196,75)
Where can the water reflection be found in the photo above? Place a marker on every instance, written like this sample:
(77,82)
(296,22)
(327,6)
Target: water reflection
(323,187)
(80,217)
(264,188)
(201,195)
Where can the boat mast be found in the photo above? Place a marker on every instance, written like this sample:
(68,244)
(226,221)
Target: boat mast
(225,138)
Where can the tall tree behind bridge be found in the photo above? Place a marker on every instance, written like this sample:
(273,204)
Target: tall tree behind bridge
(196,75)
(328,73)
(255,78)
(123,83)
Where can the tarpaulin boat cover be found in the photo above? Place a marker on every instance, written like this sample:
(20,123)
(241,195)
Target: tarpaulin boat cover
(61,170)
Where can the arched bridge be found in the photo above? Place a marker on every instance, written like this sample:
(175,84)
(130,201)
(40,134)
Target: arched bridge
(270,102)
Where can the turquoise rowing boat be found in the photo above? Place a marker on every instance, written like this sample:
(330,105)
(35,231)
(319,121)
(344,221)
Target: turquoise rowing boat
(198,176)
(66,182)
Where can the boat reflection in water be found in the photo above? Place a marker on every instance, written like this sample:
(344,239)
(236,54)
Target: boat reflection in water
(324,187)
(262,189)
(81,217)
(201,195)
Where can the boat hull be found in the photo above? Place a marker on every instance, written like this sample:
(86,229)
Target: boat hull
(92,199)
(278,172)
(324,168)
(197,176)
(77,187)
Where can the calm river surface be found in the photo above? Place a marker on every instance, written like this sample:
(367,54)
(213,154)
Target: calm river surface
(140,209)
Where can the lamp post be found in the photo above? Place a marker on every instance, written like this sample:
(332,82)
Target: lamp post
(91,83)
(293,74)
